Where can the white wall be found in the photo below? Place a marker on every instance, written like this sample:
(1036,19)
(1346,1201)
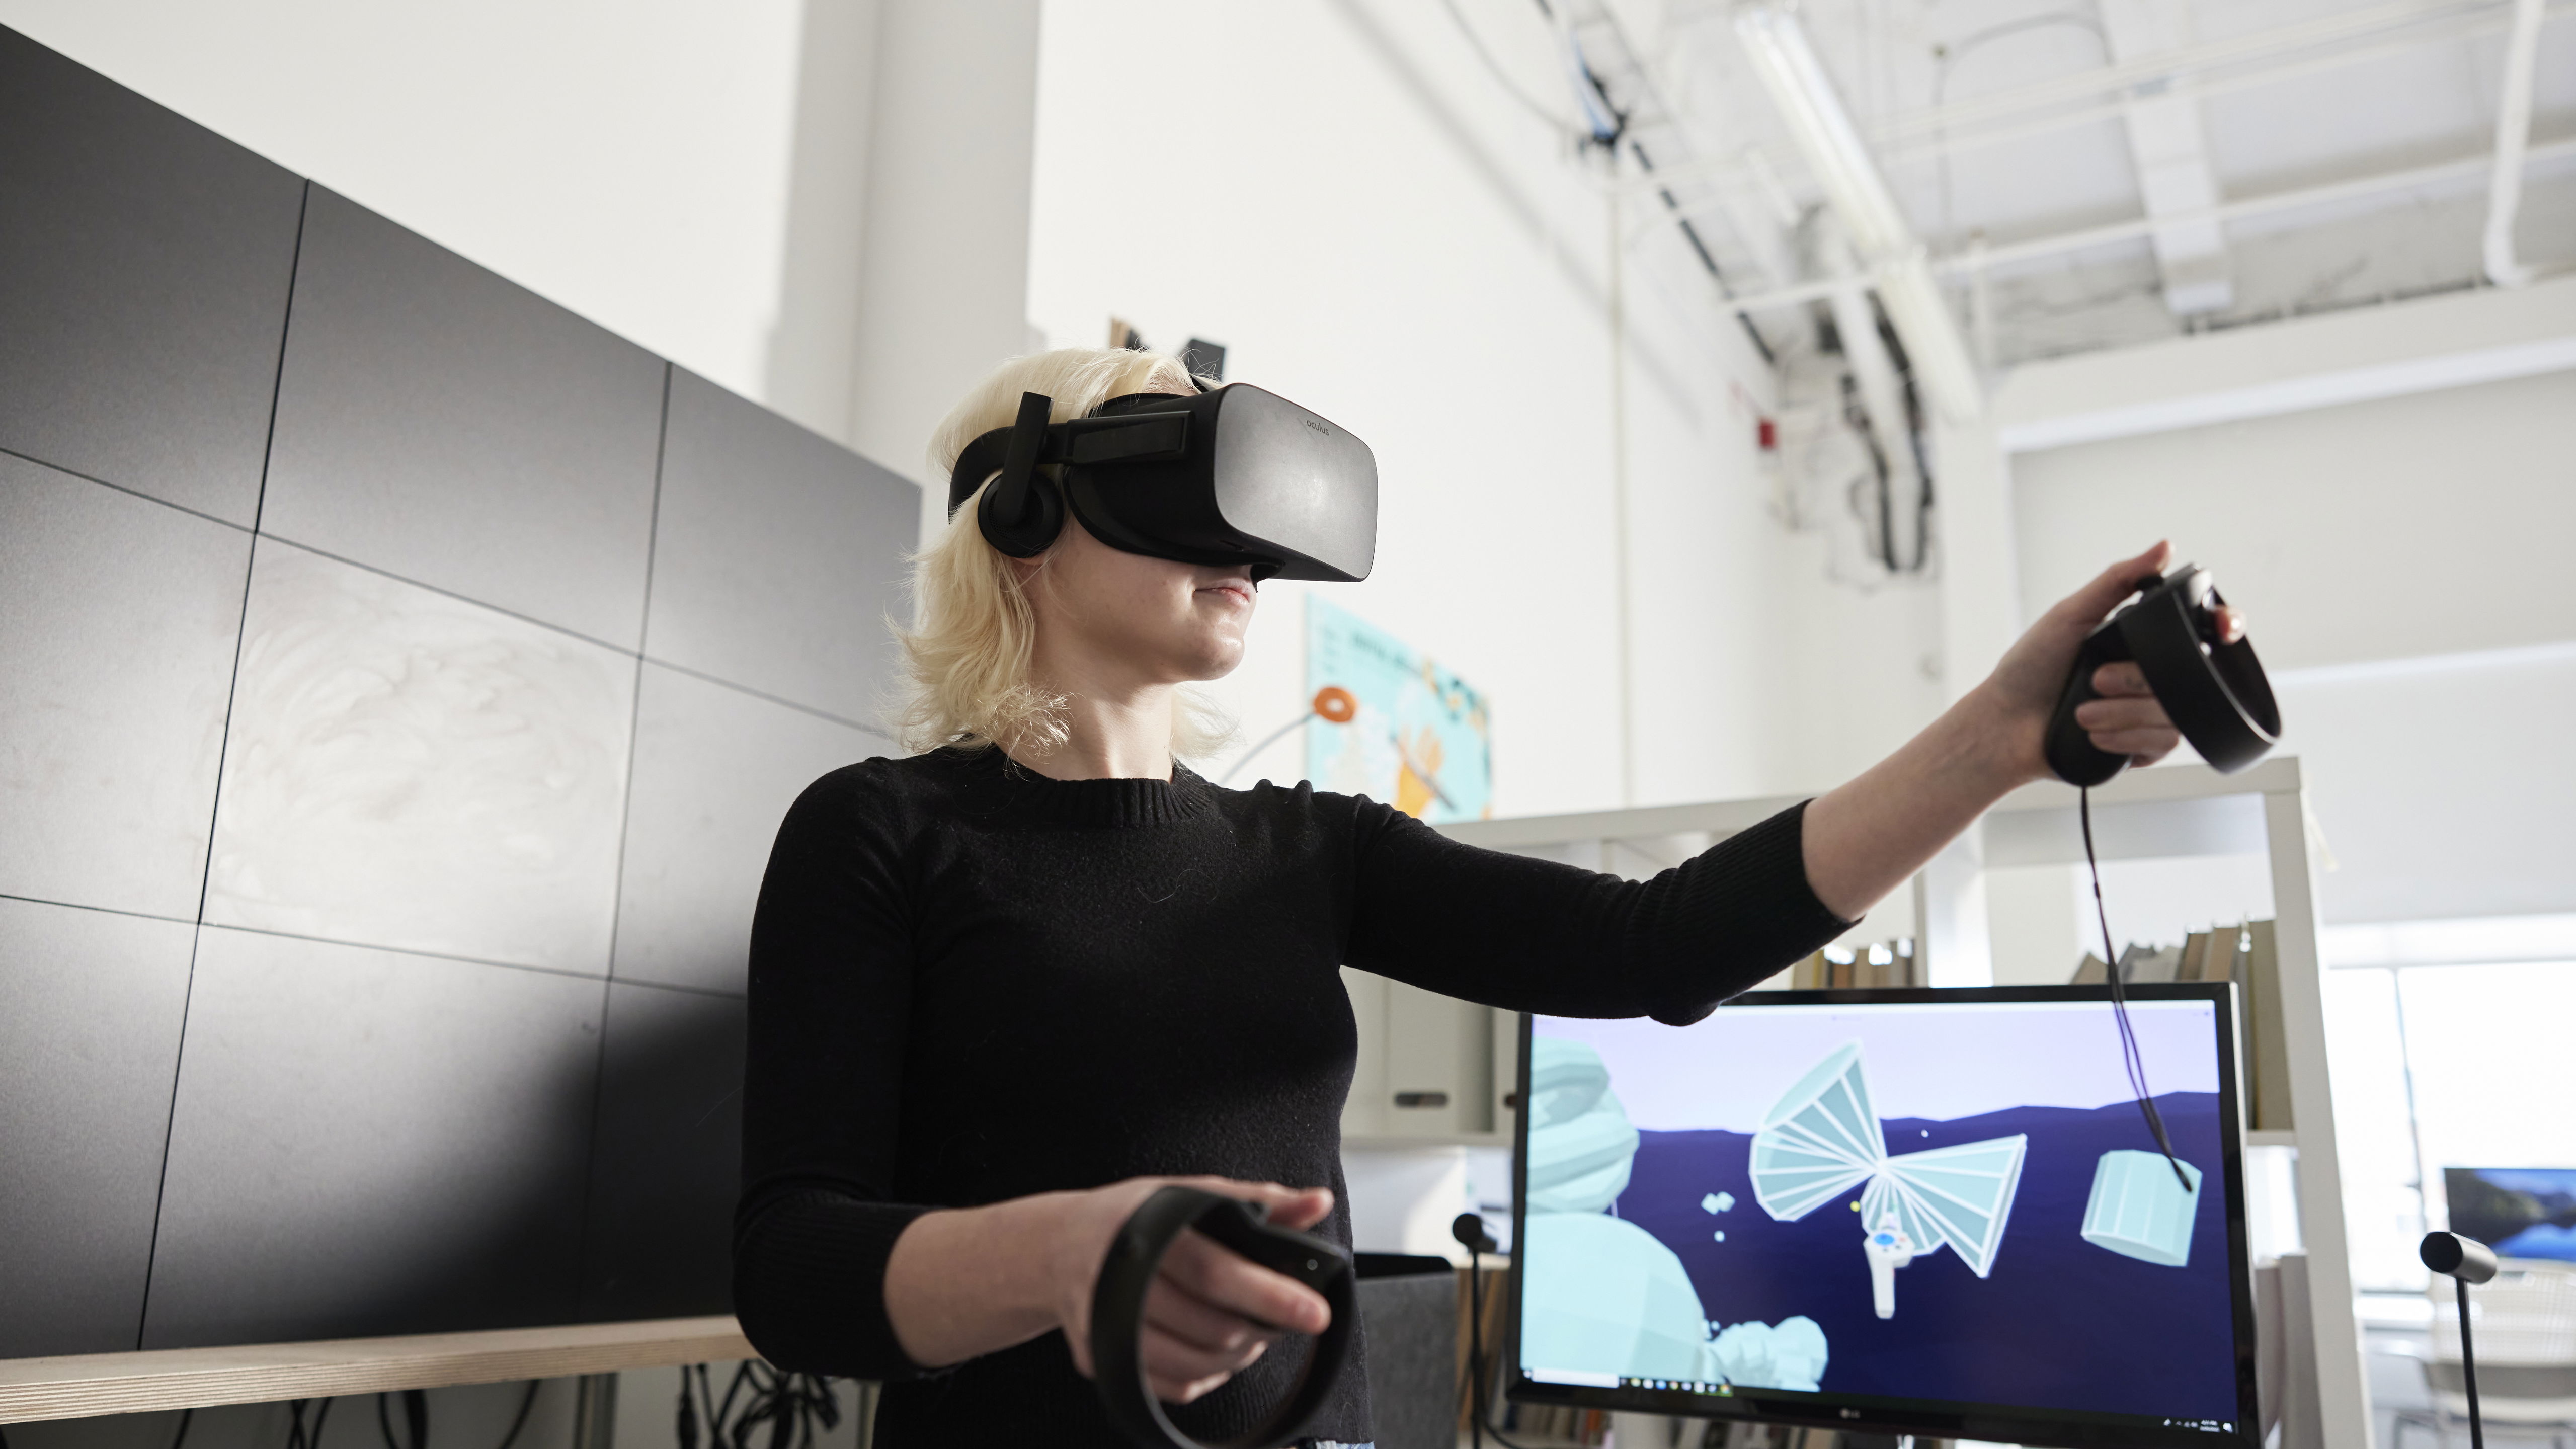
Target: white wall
(819,204)
(1335,188)
(626,158)
(2443,785)
(944,258)
(1862,672)
(2395,528)
(2403,562)
(1340,194)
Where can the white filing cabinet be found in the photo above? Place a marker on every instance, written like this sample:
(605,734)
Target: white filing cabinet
(1428,1068)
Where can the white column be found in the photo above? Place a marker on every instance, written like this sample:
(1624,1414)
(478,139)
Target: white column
(1980,617)
(1980,580)
(812,338)
(2343,1377)
(944,269)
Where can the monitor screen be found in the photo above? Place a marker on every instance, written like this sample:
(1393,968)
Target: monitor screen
(2521,1212)
(1907,1211)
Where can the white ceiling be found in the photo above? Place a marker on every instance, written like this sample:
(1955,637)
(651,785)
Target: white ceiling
(1996,119)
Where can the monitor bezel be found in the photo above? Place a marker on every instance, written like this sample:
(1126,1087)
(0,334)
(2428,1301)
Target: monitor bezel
(1940,1418)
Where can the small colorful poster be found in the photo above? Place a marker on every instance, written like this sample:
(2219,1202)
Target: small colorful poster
(1401,729)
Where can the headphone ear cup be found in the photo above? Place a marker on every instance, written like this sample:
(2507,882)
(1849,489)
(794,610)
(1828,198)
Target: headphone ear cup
(1042,518)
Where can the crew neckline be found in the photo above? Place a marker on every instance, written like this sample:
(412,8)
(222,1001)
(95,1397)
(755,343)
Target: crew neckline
(1114,802)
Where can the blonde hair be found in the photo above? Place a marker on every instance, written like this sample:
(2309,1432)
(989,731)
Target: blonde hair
(966,656)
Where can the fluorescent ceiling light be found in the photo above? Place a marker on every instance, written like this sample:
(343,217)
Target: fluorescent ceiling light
(1895,260)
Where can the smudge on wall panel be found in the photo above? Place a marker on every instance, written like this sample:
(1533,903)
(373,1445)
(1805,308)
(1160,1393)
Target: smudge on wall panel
(413,771)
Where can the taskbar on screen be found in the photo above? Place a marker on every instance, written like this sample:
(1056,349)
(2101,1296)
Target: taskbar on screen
(2033,1427)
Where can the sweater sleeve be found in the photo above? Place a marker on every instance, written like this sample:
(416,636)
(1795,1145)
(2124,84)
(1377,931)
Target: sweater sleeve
(1535,935)
(830,995)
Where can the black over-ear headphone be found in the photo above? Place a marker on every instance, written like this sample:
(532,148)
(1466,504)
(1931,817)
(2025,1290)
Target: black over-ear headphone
(1024,510)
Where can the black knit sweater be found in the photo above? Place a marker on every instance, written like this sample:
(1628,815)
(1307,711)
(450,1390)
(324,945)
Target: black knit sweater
(971,983)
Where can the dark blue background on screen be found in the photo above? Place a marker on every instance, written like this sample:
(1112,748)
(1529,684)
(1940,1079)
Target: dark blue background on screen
(2059,1324)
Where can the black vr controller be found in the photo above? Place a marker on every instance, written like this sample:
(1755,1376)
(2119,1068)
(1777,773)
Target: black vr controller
(1118,1310)
(2214,691)
(1231,476)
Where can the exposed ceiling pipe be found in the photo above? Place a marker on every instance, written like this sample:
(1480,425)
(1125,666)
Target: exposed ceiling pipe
(1882,397)
(1922,147)
(2252,48)
(2122,231)
(1932,147)
(1626,107)
(2513,140)
(1896,261)
(2170,150)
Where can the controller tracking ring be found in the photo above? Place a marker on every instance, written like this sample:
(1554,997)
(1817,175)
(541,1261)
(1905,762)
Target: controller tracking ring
(1118,1310)
(2215,693)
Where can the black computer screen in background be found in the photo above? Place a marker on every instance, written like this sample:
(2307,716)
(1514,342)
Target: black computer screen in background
(2521,1212)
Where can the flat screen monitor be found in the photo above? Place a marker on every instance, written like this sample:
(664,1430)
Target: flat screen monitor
(2521,1212)
(1934,1212)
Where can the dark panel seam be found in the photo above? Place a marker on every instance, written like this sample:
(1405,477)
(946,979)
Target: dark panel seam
(617,887)
(563,971)
(819,713)
(102,910)
(232,695)
(385,573)
(121,488)
(824,714)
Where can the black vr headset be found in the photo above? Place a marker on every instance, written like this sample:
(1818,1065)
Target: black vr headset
(1231,476)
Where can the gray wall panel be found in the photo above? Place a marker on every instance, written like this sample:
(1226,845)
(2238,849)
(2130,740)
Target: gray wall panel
(442,424)
(120,617)
(410,770)
(779,555)
(143,277)
(667,1161)
(402,1006)
(367,1142)
(715,770)
(89,1041)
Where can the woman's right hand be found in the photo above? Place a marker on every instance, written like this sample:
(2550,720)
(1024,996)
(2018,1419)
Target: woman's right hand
(1210,1313)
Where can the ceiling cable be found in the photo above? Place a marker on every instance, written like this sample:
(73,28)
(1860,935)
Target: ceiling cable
(2167,66)
(1563,127)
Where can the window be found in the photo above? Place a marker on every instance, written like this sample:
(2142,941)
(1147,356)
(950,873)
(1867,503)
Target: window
(2441,1065)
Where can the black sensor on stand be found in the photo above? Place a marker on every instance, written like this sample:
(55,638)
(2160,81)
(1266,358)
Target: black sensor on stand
(2464,1261)
(1478,1239)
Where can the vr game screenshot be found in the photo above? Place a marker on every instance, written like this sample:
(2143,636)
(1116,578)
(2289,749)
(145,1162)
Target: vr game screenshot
(1950,1202)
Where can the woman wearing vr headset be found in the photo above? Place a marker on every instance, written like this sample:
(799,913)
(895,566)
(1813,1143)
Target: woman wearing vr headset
(1004,989)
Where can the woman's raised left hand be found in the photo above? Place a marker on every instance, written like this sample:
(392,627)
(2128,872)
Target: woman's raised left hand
(1862,840)
(2127,719)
